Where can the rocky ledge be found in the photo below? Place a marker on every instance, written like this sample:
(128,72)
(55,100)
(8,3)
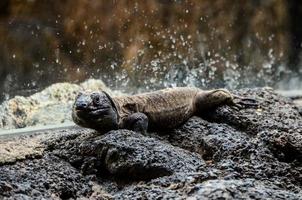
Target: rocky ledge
(225,154)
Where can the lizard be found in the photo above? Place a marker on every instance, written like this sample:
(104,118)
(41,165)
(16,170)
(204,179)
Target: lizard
(161,109)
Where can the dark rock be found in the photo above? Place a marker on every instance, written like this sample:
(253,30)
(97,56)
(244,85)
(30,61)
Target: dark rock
(286,146)
(130,155)
(209,189)
(261,144)
(227,154)
(239,189)
(48,178)
(148,192)
(277,116)
(275,112)
(211,140)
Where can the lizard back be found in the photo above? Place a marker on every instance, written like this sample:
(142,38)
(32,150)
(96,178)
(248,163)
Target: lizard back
(165,108)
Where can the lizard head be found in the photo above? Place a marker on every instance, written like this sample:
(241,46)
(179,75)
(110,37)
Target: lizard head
(95,110)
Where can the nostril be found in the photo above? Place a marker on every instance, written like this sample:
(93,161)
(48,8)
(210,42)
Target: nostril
(81,105)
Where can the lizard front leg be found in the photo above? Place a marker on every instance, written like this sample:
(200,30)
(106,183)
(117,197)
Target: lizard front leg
(137,122)
(207,100)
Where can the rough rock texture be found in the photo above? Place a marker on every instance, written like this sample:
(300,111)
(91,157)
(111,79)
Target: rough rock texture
(50,106)
(48,177)
(227,154)
(128,154)
(23,148)
(209,189)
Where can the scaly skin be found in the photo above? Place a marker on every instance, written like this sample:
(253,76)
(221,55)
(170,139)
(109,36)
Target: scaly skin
(162,109)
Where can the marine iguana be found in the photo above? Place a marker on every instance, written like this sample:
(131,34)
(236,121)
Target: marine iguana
(162,109)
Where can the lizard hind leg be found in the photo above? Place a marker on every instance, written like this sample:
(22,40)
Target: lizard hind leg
(207,100)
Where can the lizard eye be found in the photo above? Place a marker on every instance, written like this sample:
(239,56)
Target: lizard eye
(96,99)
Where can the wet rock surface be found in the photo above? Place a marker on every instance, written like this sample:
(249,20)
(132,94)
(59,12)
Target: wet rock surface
(227,153)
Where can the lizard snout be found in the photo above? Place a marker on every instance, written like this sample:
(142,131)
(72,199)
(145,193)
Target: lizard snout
(81,105)
(82,102)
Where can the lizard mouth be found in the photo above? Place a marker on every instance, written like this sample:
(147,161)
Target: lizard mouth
(99,111)
(92,111)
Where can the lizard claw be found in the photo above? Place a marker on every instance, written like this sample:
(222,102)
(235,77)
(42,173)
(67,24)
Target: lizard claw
(241,102)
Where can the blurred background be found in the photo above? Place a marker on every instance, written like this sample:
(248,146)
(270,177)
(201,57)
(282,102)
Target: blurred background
(143,45)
